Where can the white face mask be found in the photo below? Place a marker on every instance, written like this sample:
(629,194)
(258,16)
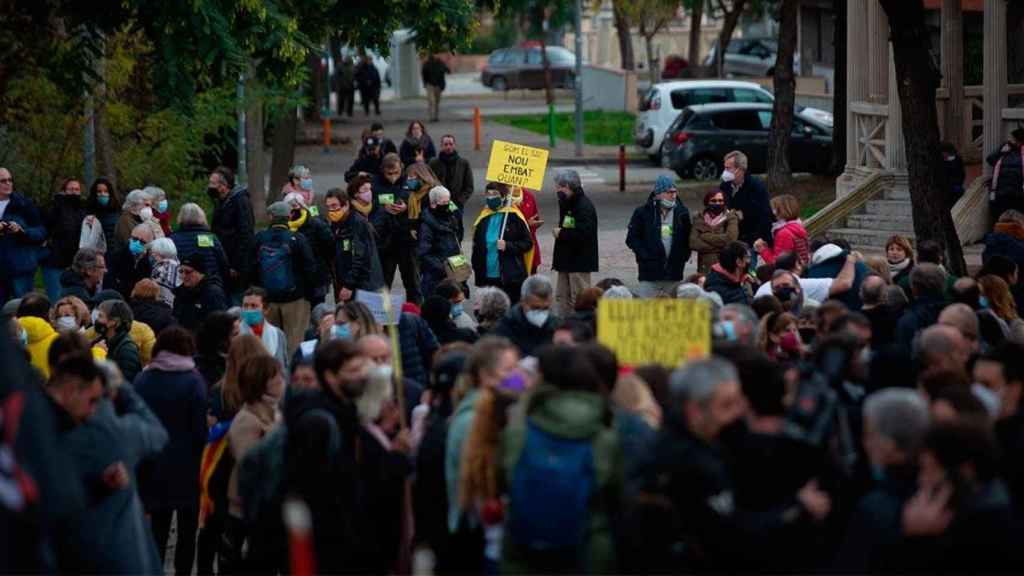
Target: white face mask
(146,213)
(728,176)
(537,317)
(67,324)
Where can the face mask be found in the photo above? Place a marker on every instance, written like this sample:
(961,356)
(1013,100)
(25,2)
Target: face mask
(728,176)
(785,294)
(341,332)
(335,215)
(412,184)
(146,213)
(562,196)
(494,203)
(67,324)
(983,302)
(537,317)
(103,200)
(162,206)
(734,434)
(296,214)
(807,335)
(457,310)
(667,204)
(306,183)
(365,197)
(715,209)
(213,192)
(100,327)
(725,330)
(136,247)
(252,317)
(790,342)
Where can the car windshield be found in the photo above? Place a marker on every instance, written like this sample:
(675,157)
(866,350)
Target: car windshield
(560,55)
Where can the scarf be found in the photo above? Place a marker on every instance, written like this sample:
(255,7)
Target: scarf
(715,221)
(513,210)
(736,278)
(898,267)
(780,224)
(363,209)
(448,158)
(416,202)
(999,165)
(1010,229)
(167,361)
(294,225)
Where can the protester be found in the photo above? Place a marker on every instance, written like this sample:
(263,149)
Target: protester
(748,197)
(712,229)
(1002,373)
(21,235)
(659,236)
(345,85)
(69,314)
(255,309)
(148,308)
(728,278)
(112,324)
(305,219)
(779,338)
(416,138)
(176,393)
(788,233)
(104,208)
(216,333)
(356,260)
(900,255)
(530,323)
(452,292)
(63,222)
(437,312)
(130,264)
(368,161)
(491,305)
(33,314)
(453,171)
(395,241)
(1007,186)
(575,255)
(161,208)
(432,73)
(234,225)
(198,295)
(527,204)
(300,181)
(163,256)
(368,82)
(137,210)
(502,247)
(876,309)
(439,233)
(194,236)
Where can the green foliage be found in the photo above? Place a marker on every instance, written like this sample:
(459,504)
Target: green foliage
(599,128)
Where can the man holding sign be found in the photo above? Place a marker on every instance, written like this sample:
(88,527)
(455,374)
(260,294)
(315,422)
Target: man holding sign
(575,235)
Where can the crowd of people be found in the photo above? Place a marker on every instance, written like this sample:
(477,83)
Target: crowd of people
(857,414)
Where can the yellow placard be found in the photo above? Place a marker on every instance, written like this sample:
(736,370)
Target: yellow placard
(663,331)
(517,165)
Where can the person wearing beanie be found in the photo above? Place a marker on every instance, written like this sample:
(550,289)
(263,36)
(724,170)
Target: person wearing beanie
(575,255)
(659,236)
(199,294)
(282,261)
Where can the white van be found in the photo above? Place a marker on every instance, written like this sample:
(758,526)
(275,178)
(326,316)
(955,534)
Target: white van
(663,103)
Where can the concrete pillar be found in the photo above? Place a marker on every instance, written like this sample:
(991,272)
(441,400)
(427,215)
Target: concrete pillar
(895,148)
(878,53)
(995,76)
(953,72)
(856,71)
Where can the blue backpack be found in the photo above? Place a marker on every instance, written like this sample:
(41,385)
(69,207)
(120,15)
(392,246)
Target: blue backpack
(552,484)
(277,274)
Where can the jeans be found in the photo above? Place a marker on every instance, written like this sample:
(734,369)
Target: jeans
(16,287)
(185,546)
(51,280)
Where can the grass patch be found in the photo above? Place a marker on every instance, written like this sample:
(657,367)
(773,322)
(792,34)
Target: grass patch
(814,193)
(600,128)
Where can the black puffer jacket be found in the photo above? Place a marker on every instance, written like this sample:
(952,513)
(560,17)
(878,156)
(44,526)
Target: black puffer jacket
(1011,172)
(576,245)
(192,239)
(356,262)
(154,313)
(321,240)
(438,240)
(511,265)
(392,229)
(63,221)
(644,239)
(234,224)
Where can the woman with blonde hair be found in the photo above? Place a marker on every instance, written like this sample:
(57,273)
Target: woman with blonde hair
(632,395)
(419,179)
(148,308)
(996,296)
(69,314)
(788,232)
(353,320)
(226,397)
(779,337)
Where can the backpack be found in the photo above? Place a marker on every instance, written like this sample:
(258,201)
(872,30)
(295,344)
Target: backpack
(277,275)
(552,484)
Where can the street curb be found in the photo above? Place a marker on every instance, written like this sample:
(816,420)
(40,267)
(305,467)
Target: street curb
(592,161)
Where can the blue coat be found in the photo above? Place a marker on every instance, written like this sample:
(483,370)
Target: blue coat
(19,253)
(418,345)
(644,239)
(190,240)
(170,480)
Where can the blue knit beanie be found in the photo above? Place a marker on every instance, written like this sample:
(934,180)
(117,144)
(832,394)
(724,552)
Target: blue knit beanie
(663,184)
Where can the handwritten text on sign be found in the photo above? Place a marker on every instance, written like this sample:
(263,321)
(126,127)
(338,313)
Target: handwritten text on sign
(375,302)
(517,165)
(662,331)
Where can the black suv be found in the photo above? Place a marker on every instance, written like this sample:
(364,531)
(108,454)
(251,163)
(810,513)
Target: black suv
(702,135)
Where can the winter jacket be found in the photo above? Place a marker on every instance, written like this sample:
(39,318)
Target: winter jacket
(19,253)
(923,313)
(356,261)
(274,341)
(418,345)
(153,313)
(456,174)
(176,393)
(365,163)
(576,245)
(63,221)
(40,336)
(108,219)
(708,241)
(248,427)
(234,225)
(514,260)
(433,72)
(405,151)
(392,229)
(72,284)
(438,241)
(124,270)
(121,350)
(752,200)
(140,334)
(790,237)
(733,290)
(192,305)
(458,432)
(194,239)
(302,262)
(1007,239)
(644,238)
(318,233)
(527,337)
(1010,182)
(872,540)
(830,269)
(113,536)
(367,78)
(568,415)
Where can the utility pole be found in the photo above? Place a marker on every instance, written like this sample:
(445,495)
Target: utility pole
(578,78)
(242,173)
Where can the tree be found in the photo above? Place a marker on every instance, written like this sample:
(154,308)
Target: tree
(780,177)
(918,79)
(730,13)
(651,16)
(624,33)
(696,22)
(839,90)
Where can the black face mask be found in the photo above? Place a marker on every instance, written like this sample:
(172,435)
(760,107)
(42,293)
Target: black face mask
(785,294)
(807,335)
(213,192)
(563,197)
(715,209)
(733,435)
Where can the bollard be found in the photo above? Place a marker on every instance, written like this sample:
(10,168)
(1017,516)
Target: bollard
(551,124)
(476,128)
(299,523)
(622,167)
(327,134)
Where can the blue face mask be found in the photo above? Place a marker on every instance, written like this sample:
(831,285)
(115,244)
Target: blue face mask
(457,310)
(136,247)
(341,332)
(252,317)
(494,203)
(103,200)
(983,302)
(726,330)
(306,183)
(412,184)
(161,206)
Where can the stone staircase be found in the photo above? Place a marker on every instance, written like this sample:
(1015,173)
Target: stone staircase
(867,228)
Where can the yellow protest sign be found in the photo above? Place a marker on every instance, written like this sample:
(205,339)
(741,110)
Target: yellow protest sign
(517,165)
(664,331)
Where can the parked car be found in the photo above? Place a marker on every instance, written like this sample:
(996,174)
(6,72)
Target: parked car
(749,57)
(663,103)
(523,67)
(702,135)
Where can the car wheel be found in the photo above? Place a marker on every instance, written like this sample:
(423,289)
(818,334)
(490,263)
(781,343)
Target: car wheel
(705,168)
(655,159)
(498,84)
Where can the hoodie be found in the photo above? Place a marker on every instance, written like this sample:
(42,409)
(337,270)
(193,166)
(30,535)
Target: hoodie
(40,336)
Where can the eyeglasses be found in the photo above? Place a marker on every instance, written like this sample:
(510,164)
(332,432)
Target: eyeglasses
(6,180)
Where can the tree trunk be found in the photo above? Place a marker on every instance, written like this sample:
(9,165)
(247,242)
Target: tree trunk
(284,151)
(839,90)
(316,86)
(653,66)
(732,18)
(549,93)
(918,80)
(625,36)
(257,160)
(780,177)
(696,21)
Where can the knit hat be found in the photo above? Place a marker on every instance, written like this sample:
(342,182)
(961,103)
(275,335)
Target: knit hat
(663,184)
(295,200)
(195,261)
(279,211)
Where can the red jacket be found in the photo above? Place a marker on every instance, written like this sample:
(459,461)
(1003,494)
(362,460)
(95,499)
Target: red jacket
(791,237)
(528,207)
